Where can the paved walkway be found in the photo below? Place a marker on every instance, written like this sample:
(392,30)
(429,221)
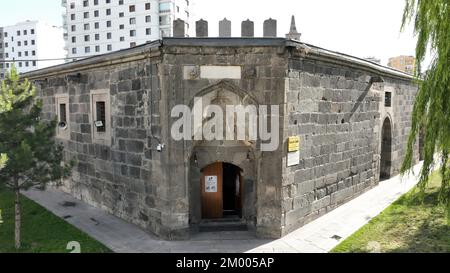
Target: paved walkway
(315,237)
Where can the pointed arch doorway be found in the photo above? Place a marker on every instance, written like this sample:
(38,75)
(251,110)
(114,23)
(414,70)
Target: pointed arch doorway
(221,191)
(386,150)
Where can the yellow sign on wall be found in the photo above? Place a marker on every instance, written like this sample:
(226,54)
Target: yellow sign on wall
(294,144)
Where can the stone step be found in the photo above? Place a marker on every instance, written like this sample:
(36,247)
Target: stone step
(222,225)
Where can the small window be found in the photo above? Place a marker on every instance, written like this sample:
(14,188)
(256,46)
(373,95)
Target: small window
(100,122)
(132,21)
(147,6)
(101,125)
(388,99)
(148,19)
(62,112)
(132,8)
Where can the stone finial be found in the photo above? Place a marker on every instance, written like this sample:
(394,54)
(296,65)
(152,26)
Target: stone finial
(201,28)
(248,28)
(293,33)
(225,28)
(179,29)
(270,28)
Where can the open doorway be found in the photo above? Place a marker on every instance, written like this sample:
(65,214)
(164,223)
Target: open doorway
(222,191)
(386,150)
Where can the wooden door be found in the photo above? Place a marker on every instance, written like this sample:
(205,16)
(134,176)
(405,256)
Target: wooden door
(212,191)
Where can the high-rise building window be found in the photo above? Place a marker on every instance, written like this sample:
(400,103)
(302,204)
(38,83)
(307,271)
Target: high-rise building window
(19,43)
(25,32)
(108,23)
(74,28)
(97,37)
(72,5)
(120,2)
(95,2)
(33,53)
(86,15)
(25,43)
(108,1)
(108,12)
(148,19)
(147,6)
(109,47)
(34,63)
(85,3)
(96,25)
(109,35)
(33,42)
(86,26)
(121,26)
(122,39)
(132,33)
(132,21)
(132,8)
(18,33)
(72,17)
(121,14)
(96,13)
(74,39)
(132,44)
(148,31)
(97,48)
(87,49)
(86,38)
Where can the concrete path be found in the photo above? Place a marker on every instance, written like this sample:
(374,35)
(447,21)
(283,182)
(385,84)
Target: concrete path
(315,237)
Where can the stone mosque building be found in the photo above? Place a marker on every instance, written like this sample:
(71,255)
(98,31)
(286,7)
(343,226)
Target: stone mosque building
(343,124)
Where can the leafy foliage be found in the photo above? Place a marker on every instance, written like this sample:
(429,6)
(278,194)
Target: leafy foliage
(432,108)
(28,142)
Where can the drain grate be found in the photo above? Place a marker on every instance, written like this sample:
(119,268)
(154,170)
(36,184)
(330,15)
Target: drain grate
(336,237)
(68,204)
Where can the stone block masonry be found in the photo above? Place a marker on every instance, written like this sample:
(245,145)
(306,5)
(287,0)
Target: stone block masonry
(135,170)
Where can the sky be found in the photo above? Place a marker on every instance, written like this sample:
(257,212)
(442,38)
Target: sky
(362,28)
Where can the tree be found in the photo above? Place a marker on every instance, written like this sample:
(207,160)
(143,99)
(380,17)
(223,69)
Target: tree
(34,158)
(432,107)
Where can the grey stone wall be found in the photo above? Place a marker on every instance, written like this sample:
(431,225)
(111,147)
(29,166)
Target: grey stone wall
(262,79)
(330,104)
(126,178)
(338,115)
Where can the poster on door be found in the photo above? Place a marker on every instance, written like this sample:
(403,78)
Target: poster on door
(211,184)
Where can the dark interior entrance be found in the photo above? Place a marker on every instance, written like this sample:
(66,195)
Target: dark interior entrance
(222,191)
(386,150)
(231,190)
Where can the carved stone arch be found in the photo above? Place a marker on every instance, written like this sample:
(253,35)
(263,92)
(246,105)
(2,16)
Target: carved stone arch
(229,86)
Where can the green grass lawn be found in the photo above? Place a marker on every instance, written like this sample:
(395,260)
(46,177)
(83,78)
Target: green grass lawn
(408,225)
(42,231)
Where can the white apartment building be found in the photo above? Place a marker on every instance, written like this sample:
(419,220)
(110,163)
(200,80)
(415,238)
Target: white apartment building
(94,27)
(30,45)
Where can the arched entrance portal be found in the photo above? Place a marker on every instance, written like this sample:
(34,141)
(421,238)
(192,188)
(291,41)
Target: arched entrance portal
(386,150)
(221,191)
